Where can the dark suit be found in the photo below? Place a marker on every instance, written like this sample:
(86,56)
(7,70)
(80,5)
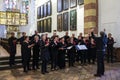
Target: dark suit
(26,53)
(83,53)
(93,52)
(87,42)
(71,54)
(110,50)
(22,39)
(100,55)
(12,45)
(54,55)
(78,54)
(66,39)
(61,56)
(100,47)
(45,56)
(36,51)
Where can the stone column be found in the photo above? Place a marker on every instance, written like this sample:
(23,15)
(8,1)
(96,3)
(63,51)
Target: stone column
(90,15)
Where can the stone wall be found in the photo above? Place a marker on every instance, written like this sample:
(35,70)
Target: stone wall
(80,17)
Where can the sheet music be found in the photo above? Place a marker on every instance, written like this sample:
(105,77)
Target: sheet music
(69,47)
(81,47)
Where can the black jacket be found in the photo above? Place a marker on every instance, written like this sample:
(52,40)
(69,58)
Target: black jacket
(12,44)
(45,55)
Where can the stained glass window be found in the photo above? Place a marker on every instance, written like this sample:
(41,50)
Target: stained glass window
(15,4)
(10,4)
(25,6)
(6,4)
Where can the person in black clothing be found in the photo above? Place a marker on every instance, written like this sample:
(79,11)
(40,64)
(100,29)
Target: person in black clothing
(36,50)
(66,37)
(74,38)
(71,52)
(100,45)
(45,55)
(110,44)
(46,34)
(80,39)
(36,34)
(78,55)
(80,35)
(88,54)
(54,53)
(83,53)
(26,53)
(61,53)
(75,42)
(53,36)
(12,43)
(22,38)
(92,51)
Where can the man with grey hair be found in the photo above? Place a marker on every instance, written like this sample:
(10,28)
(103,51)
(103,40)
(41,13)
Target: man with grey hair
(100,46)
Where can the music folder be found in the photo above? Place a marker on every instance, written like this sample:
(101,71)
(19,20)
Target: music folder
(81,47)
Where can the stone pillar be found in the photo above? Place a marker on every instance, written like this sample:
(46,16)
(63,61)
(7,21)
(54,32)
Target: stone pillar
(90,15)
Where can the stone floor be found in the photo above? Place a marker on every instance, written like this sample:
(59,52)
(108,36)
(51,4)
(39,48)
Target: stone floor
(4,53)
(75,73)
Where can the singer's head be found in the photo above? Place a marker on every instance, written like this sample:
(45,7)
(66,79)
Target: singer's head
(43,37)
(26,38)
(36,38)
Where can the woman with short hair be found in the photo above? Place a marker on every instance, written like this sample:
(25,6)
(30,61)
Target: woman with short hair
(26,53)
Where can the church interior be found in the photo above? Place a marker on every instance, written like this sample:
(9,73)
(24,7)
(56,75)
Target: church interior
(58,17)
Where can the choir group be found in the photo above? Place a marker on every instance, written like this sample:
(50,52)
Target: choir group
(54,50)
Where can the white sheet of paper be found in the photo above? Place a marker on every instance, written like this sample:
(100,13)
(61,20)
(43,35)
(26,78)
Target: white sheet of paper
(82,47)
(69,47)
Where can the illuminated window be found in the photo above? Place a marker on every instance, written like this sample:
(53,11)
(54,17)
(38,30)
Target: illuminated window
(15,4)
(25,6)
(10,4)
(6,4)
